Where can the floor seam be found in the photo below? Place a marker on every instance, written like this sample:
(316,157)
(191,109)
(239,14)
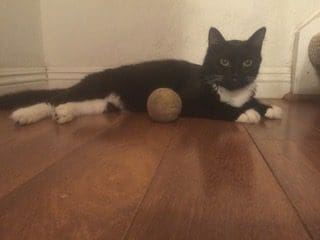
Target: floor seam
(148,188)
(280,185)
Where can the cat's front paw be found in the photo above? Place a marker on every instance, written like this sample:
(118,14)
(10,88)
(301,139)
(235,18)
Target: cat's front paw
(274,112)
(23,116)
(249,116)
(63,113)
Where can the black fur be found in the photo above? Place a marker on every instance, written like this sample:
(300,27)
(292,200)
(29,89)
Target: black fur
(194,83)
(20,99)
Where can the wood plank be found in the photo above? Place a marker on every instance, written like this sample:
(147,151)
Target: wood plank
(296,164)
(32,149)
(10,132)
(93,192)
(291,148)
(214,184)
(307,112)
(300,121)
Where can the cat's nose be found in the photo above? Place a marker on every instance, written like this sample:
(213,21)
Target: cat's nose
(235,79)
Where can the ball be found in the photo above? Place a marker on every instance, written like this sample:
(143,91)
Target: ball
(164,105)
(314,51)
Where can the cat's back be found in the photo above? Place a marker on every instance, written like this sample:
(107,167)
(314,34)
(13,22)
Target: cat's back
(158,69)
(156,64)
(144,77)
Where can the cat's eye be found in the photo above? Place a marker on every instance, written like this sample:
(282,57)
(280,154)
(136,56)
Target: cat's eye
(247,63)
(224,62)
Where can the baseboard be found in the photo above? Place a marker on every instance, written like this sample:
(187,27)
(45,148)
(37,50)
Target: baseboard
(272,82)
(291,97)
(18,79)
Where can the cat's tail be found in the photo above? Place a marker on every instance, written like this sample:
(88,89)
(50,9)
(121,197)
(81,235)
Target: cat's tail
(25,98)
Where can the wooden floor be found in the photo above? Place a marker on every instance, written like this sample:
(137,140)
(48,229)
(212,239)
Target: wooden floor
(125,177)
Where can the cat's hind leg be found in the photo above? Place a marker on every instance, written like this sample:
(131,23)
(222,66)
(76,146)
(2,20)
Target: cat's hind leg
(31,114)
(68,111)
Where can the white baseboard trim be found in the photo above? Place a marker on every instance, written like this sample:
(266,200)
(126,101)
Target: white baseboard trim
(18,79)
(5,89)
(272,82)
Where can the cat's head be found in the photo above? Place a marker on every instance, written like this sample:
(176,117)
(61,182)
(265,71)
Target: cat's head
(232,64)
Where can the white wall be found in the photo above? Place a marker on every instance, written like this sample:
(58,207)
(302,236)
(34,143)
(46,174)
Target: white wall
(82,36)
(108,33)
(21,50)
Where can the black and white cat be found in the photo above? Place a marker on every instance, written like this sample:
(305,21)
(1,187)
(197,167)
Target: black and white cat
(222,88)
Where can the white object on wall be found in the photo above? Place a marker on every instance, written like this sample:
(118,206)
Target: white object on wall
(305,79)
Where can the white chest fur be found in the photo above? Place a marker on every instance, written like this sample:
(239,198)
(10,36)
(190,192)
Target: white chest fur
(238,97)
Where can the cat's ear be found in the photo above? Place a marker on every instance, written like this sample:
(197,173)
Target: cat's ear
(257,38)
(215,37)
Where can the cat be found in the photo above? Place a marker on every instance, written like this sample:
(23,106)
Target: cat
(222,88)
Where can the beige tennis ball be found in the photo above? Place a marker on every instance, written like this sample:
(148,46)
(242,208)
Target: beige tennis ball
(164,105)
(314,51)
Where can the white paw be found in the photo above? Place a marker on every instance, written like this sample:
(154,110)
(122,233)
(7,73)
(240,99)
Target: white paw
(32,114)
(63,113)
(250,116)
(274,112)
(23,116)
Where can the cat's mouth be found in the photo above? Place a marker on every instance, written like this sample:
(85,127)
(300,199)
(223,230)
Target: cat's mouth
(229,83)
(213,79)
